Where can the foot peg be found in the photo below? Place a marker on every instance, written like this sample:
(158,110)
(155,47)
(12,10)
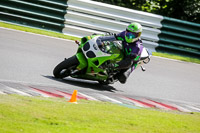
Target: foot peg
(143,69)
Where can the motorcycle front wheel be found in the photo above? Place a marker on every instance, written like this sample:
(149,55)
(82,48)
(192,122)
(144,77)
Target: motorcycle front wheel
(64,68)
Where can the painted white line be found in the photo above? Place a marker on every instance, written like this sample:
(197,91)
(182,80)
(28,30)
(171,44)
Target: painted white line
(20,92)
(14,90)
(89,97)
(171,104)
(31,83)
(110,99)
(181,108)
(194,108)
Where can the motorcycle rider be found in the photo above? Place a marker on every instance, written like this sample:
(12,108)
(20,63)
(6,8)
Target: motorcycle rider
(132,48)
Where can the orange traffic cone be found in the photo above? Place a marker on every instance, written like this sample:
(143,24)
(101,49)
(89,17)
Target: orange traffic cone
(74,97)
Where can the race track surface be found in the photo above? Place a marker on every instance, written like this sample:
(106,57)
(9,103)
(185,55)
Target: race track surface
(28,60)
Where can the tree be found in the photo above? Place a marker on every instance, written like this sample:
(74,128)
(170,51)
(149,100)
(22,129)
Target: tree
(181,9)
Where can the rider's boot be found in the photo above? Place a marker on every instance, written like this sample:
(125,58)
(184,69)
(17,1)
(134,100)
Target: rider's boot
(123,75)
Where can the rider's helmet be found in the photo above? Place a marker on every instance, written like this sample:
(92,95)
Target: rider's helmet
(133,32)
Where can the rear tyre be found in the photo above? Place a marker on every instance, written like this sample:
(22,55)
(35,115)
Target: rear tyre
(64,68)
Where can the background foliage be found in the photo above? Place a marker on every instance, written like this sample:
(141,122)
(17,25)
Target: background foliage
(188,10)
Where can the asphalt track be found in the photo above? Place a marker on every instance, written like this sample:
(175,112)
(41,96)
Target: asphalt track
(30,58)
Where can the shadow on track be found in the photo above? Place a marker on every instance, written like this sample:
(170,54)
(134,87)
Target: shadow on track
(84,83)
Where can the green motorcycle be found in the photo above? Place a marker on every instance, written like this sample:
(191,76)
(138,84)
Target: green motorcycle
(91,61)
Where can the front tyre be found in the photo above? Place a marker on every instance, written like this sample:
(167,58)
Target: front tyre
(64,68)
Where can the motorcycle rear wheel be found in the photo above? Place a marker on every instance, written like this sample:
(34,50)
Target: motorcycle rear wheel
(64,68)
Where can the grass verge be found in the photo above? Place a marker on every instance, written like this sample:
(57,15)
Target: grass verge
(60,35)
(37,31)
(181,58)
(52,115)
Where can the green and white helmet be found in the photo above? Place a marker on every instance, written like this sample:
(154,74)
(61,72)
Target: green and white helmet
(133,32)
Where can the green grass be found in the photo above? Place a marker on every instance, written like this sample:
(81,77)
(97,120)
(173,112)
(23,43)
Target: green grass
(181,58)
(60,35)
(37,31)
(55,115)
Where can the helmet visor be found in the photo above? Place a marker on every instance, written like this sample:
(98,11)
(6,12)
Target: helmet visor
(131,36)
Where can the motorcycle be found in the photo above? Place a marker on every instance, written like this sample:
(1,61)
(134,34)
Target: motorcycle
(91,61)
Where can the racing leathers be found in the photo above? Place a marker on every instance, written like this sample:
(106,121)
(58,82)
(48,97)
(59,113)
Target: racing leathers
(132,52)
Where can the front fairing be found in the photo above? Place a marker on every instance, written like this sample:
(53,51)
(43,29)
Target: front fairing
(97,58)
(108,51)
